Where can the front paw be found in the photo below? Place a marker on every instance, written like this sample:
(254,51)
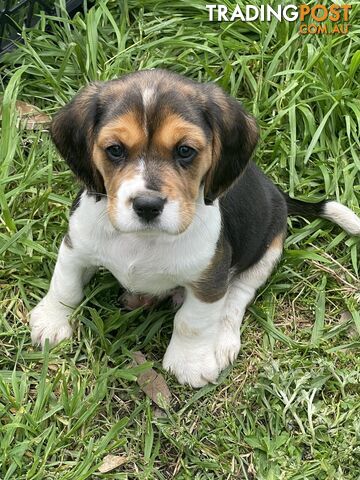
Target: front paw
(192,361)
(227,347)
(49,321)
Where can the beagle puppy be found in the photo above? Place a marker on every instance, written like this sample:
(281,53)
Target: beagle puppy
(170,199)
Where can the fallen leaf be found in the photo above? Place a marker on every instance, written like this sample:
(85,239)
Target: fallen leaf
(352,331)
(30,116)
(54,368)
(152,384)
(345,316)
(110,462)
(158,412)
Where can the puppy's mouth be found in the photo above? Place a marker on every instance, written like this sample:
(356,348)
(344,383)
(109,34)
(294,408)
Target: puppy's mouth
(152,228)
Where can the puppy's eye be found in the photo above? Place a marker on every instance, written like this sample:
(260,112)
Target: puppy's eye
(185,154)
(116,152)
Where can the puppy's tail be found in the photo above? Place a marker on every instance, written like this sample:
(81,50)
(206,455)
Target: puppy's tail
(329,209)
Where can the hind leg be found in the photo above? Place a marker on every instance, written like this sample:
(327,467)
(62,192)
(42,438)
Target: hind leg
(241,292)
(130,301)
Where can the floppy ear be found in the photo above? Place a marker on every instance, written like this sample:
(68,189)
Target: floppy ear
(235,136)
(72,131)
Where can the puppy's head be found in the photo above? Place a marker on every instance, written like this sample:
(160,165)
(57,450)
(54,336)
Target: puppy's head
(155,144)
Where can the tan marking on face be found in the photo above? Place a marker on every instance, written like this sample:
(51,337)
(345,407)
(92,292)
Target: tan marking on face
(182,184)
(127,173)
(125,129)
(178,184)
(112,174)
(113,177)
(183,189)
(175,129)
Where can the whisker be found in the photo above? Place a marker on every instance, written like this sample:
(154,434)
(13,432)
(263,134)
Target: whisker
(98,194)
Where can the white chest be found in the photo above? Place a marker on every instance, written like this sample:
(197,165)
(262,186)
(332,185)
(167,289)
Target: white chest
(149,266)
(146,263)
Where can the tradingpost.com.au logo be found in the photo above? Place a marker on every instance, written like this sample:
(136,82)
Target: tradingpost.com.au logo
(311,18)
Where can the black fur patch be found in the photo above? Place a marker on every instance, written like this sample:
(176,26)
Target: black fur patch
(76,201)
(73,130)
(254,212)
(238,135)
(213,283)
(297,207)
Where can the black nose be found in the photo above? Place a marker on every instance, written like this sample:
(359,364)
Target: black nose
(148,207)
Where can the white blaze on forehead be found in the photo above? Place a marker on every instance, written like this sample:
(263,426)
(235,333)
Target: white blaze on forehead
(147,95)
(130,188)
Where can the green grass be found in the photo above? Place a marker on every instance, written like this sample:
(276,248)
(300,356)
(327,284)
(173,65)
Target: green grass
(289,408)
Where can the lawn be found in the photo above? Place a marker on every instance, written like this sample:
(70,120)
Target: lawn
(289,407)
